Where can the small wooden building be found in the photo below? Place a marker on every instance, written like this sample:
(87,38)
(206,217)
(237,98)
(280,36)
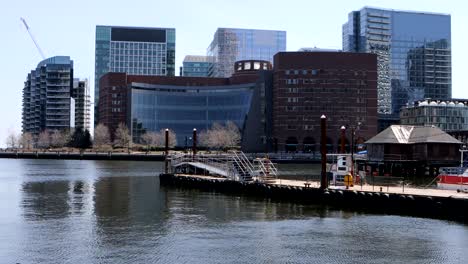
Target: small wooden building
(430,145)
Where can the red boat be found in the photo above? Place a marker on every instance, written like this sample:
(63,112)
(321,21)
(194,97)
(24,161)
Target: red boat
(454,178)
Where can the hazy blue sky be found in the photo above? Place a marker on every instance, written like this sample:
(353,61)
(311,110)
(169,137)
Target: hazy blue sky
(68,28)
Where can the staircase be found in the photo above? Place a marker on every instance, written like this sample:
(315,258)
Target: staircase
(233,165)
(242,167)
(267,172)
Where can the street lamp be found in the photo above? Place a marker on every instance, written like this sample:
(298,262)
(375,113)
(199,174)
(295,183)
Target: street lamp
(343,131)
(353,133)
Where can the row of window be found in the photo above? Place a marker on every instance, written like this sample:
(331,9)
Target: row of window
(348,82)
(138,71)
(322,89)
(136,45)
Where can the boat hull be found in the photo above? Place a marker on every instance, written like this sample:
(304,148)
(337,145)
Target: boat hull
(452,182)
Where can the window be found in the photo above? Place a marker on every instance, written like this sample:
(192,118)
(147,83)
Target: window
(287,72)
(304,72)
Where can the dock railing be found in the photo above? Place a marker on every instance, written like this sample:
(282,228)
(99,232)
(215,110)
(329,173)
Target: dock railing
(386,182)
(234,165)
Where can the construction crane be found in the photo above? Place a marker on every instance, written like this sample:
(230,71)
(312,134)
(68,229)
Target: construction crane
(32,37)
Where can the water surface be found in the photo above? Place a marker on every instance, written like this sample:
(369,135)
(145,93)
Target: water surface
(56,211)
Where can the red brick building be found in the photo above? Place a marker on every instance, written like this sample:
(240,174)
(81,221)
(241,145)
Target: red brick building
(306,85)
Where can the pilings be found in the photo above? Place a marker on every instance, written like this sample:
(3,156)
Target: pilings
(452,208)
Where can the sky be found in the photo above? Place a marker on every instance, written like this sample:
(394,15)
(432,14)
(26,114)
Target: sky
(68,28)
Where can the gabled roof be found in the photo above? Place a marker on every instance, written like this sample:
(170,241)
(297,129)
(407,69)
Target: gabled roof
(397,134)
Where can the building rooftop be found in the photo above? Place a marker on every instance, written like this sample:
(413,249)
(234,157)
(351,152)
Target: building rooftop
(196,58)
(447,103)
(405,11)
(56,60)
(399,134)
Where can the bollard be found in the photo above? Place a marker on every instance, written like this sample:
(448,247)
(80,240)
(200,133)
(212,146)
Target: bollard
(323,126)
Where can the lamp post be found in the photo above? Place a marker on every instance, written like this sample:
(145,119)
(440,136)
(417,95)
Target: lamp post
(166,151)
(323,146)
(353,132)
(343,131)
(194,142)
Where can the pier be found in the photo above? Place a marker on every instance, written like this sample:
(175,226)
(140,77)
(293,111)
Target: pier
(232,175)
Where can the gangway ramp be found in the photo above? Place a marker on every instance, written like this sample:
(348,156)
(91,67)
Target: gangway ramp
(233,165)
(206,167)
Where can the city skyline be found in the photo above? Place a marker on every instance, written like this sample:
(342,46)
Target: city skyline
(192,38)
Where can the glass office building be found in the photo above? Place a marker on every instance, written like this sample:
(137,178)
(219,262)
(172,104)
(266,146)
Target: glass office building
(156,107)
(232,44)
(134,50)
(47,101)
(414,53)
(196,66)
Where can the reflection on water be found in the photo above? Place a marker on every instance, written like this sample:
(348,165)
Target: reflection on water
(116,212)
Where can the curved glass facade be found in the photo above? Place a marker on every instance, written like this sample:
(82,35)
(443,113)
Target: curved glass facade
(181,109)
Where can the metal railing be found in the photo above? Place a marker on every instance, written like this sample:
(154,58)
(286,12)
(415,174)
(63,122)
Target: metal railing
(234,165)
(266,170)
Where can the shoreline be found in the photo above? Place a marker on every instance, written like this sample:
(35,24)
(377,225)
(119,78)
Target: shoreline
(109,155)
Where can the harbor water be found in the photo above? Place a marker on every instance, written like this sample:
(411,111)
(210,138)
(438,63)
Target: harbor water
(72,211)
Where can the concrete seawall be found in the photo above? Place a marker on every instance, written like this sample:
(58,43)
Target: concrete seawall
(82,156)
(451,208)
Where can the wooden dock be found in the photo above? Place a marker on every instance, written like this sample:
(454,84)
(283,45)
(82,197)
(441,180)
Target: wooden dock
(423,202)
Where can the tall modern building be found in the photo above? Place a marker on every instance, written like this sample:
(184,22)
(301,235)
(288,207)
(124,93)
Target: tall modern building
(196,66)
(133,50)
(82,98)
(233,44)
(47,96)
(414,54)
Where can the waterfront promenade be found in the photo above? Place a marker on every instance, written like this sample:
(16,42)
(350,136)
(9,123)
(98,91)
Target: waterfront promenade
(84,155)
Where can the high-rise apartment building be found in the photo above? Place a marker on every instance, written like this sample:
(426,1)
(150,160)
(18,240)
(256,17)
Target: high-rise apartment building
(47,96)
(195,66)
(233,44)
(82,98)
(414,54)
(133,50)
(449,115)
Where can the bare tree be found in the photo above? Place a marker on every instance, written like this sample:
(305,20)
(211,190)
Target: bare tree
(101,136)
(219,136)
(122,136)
(150,139)
(233,136)
(158,139)
(44,140)
(12,140)
(26,140)
(58,139)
